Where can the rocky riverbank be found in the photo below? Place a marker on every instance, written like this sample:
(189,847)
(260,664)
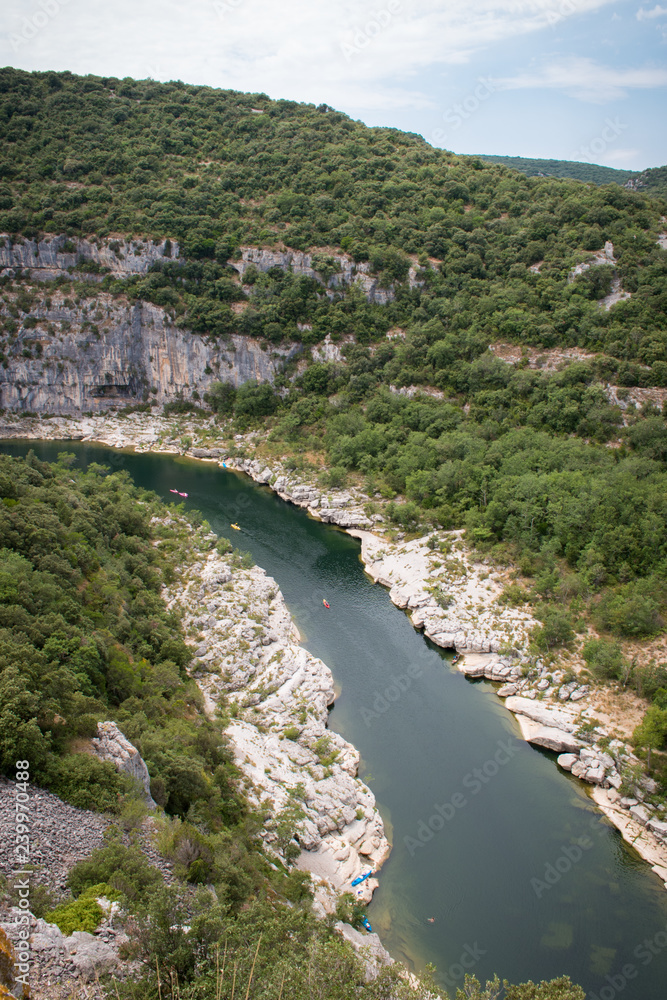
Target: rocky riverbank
(247,651)
(448,593)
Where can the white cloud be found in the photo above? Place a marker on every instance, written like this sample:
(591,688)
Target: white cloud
(351,53)
(622,157)
(585,80)
(647,15)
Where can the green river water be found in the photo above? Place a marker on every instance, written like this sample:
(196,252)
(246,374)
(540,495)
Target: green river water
(479,865)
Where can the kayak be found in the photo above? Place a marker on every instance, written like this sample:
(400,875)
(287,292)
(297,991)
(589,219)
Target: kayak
(326,605)
(173,491)
(182,494)
(235,527)
(367,925)
(361,878)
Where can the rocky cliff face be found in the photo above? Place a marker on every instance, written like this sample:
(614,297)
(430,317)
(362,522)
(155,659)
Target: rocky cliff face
(72,358)
(66,357)
(48,258)
(112,746)
(305,264)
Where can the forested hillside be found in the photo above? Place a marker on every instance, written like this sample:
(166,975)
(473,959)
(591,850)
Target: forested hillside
(652,181)
(216,170)
(83,616)
(592,173)
(495,257)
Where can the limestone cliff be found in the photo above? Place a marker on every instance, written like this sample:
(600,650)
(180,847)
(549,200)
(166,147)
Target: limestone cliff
(50,257)
(319,265)
(70,357)
(63,356)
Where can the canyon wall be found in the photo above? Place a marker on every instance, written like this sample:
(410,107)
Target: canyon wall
(69,356)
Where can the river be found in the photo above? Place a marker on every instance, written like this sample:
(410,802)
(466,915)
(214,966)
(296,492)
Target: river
(516,872)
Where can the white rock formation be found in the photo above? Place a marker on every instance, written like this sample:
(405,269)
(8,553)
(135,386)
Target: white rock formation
(111,745)
(52,256)
(89,956)
(348,271)
(326,351)
(539,712)
(422,579)
(369,947)
(598,259)
(247,651)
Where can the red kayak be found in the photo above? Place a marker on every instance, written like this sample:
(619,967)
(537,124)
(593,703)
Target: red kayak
(325,603)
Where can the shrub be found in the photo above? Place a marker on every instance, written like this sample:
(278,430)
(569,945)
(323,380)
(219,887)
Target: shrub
(405,514)
(180,406)
(556,630)
(350,910)
(442,599)
(631,610)
(223,546)
(660,697)
(513,595)
(605,658)
(335,477)
(87,782)
(124,869)
(651,733)
(650,678)
(83,914)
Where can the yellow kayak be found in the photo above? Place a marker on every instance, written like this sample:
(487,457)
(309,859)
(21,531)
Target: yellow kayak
(235,527)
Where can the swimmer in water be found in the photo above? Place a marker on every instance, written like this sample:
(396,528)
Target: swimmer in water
(431,920)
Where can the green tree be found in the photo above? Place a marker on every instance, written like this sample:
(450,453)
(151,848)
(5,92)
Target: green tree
(651,733)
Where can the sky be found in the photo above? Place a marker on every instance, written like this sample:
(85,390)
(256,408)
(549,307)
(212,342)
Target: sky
(564,79)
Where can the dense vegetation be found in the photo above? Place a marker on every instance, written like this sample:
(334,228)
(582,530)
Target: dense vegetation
(98,156)
(508,455)
(81,612)
(592,173)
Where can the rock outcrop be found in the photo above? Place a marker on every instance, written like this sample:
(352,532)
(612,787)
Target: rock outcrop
(369,947)
(601,258)
(72,357)
(51,257)
(111,745)
(345,270)
(89,954)
(450,596)
(331,506)
(305,776)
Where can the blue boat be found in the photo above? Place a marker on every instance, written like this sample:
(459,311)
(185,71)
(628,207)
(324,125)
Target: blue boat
(361,878)
(367,925)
